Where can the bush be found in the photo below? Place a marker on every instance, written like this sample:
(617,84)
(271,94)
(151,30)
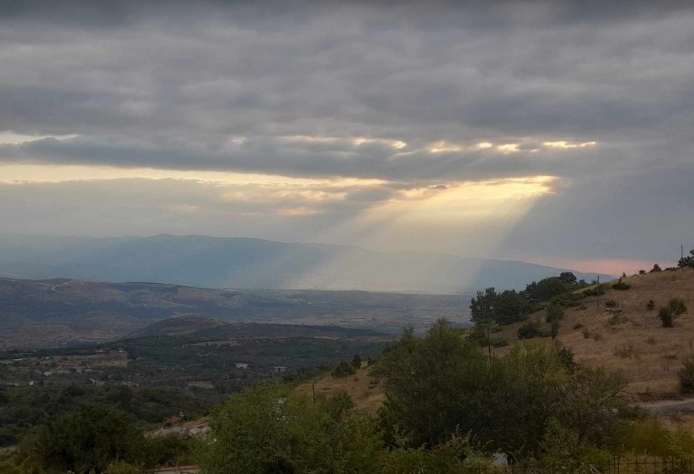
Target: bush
(343,369)
(642,272)
(356,362)
(610,303)
(530,330)
(673,310)
(598,290)
(498,342)
(621,286)
(686,375)
(625,351)
(578,326)
(650,306)
(554,330)
(553,313)
(616,319)
(656,268)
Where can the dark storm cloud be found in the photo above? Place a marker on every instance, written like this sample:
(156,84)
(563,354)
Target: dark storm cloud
(401,91)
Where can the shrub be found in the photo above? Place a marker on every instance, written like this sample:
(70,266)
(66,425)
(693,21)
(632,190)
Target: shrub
(616,319)
(625,351)
(610,303)
(686,375)
(578,326)
(356,361)
(598,290)
(621,286)
(568,300)
(343,369)
(554,330)
(642,272)
(656,268)
(687,261)
(553,313)
(586,333)
(650,306)
(673,310)
(531,329)
(566,356)
(499,342)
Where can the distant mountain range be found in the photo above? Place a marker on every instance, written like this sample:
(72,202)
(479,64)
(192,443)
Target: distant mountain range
(58,312)
(244,263)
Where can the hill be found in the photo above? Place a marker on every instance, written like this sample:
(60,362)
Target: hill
(45,313)
(631,342)
(631,339)
(203,261)
(209,328)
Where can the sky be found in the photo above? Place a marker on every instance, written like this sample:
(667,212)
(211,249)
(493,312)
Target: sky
(551,131)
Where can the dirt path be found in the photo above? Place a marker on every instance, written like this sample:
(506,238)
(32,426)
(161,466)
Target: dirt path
(670,407)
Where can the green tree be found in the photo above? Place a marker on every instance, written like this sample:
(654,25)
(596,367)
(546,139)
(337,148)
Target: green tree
(267,429)
(568,277)
(343,369)
(88,440)
(686,375)
(439,385)
(431,385)
(482,307)
(687,261)
(545,290)
(356,361)
(506,307)
(554,330)
(554,312)
(510,307)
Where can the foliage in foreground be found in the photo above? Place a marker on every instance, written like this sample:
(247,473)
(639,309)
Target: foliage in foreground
(268,429)
(439,384)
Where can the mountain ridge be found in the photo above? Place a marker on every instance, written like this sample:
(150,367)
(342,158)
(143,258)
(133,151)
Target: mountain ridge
(249,263)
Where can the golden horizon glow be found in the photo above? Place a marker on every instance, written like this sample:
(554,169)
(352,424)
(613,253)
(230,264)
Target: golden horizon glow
(568,145)
(444,147)
(44,173)
(509,148)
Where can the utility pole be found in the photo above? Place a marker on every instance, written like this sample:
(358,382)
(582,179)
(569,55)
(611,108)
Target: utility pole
(682,254)
(597,292)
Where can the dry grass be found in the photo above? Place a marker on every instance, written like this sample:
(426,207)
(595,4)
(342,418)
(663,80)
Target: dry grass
(366,395)
(635,344)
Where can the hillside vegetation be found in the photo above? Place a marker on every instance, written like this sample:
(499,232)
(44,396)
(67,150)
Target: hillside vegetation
(628,337)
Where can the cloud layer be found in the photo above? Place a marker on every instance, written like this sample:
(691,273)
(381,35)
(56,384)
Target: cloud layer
(595,95)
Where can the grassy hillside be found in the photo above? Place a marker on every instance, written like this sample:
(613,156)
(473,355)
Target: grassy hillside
(632,341)
(364,390)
